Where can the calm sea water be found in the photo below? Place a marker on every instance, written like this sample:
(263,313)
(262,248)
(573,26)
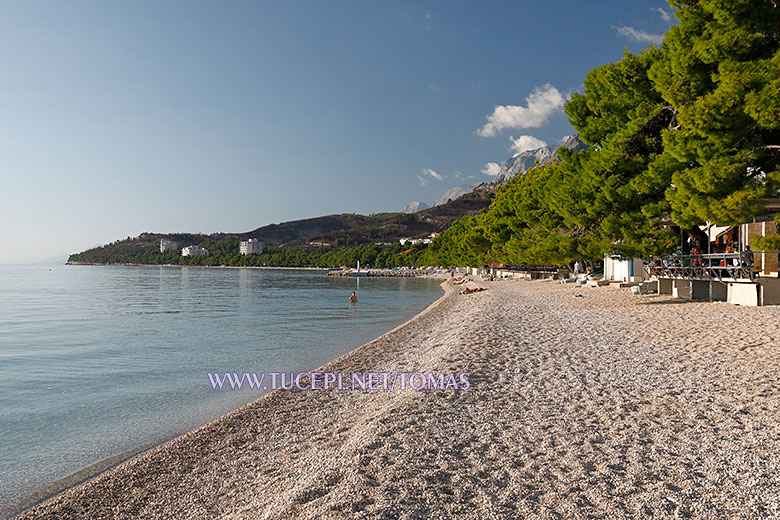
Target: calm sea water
(95,361)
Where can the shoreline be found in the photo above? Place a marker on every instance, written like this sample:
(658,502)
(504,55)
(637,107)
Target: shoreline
(385,273)
(79,477)
(93,471)
(585,402)
(206,266)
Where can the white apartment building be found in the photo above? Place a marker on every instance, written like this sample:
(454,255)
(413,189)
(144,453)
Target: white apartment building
(250,246)
(414,241)
(168,245)
(194,251)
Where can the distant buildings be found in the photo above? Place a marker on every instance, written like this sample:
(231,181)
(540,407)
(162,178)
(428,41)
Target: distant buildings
(247,247)
(194,251)
(414,241)
(168,245)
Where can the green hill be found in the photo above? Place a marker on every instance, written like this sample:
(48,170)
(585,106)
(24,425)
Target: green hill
(345,230)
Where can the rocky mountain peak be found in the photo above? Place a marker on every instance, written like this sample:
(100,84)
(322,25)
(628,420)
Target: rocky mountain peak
(414,207)
(526,160)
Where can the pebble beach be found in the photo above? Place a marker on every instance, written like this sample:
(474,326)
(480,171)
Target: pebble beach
(585,402)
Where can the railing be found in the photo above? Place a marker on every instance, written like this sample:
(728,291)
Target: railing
(705,266)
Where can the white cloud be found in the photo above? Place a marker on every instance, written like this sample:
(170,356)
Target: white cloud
(526,142)
(434,174)
(422,180)
(433,86)
(428,15)
(639,35)
(543,102)
(491,169)
(665,15)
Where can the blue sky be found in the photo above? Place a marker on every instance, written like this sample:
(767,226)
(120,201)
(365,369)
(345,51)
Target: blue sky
(123,117)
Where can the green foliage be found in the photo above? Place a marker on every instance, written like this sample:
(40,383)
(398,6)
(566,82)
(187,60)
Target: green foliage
(682,134)
(225,252)
(720,70)
(767,243)
(602,200)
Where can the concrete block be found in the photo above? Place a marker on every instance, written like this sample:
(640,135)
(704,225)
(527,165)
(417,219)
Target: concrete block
(748,294)
(720,291)
(770,291)
(665,286)
(681,289)
(700,290)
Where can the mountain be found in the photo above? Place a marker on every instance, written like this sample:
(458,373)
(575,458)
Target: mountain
(449,195)
(380,226)
(348,228)
(414,207)
(521,162)
(453,194)
(573,143)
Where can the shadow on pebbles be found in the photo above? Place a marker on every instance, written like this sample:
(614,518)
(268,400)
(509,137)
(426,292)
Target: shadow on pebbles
(606,406)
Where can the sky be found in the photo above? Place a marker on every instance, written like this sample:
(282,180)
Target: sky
(118,118)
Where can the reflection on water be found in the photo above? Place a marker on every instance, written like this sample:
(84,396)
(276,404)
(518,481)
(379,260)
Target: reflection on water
(95,361)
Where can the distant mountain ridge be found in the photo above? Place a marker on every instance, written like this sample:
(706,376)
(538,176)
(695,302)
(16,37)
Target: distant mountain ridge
(453,193)
(512,167)
(414,207)
(526,160)
(346,228)
(416,220)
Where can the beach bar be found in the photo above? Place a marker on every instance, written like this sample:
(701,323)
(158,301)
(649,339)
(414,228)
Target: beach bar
(732,269)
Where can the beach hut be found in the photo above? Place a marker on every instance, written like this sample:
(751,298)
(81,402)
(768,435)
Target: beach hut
(624,270)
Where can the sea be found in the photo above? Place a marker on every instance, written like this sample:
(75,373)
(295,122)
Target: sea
(98,361)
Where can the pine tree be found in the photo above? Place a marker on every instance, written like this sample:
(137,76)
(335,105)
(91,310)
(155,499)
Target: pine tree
(721,71)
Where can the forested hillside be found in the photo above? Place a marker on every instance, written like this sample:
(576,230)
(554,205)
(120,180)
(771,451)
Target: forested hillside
(349,238)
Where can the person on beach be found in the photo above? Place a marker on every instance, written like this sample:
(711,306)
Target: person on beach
(747,257)
(353,297)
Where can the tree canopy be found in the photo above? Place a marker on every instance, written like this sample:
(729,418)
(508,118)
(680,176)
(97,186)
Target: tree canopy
(720,70)
(679,135)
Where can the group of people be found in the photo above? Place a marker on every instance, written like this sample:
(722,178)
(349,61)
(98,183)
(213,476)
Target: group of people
(469,290)
(464,279)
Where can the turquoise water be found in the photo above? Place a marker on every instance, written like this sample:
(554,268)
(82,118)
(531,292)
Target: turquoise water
(95,361)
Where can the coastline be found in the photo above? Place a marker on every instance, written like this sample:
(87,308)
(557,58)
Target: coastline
(385,272)
(608,405)
(206,266)
(93,471)
(79,477)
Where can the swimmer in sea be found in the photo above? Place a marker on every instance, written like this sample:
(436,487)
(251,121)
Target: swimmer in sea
(353,298)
